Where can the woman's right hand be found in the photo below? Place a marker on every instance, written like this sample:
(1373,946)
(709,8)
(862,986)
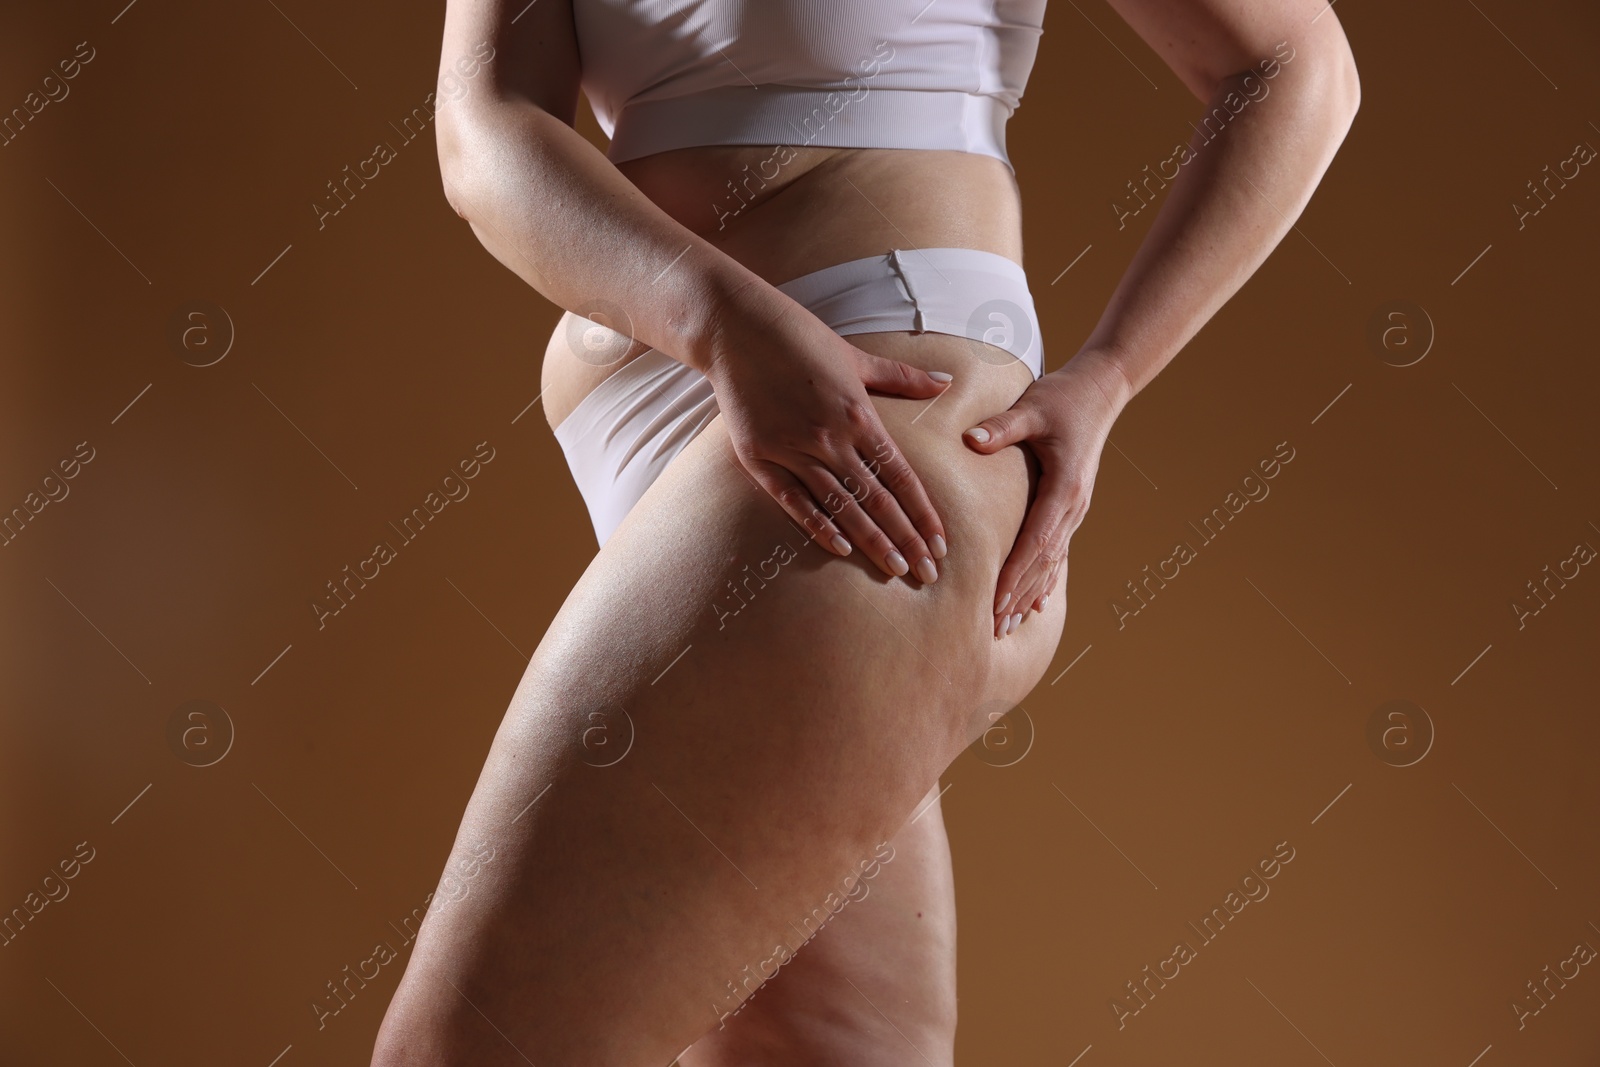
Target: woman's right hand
(793,396)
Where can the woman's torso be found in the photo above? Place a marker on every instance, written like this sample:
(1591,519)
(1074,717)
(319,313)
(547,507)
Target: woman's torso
(824,206)
(829,205)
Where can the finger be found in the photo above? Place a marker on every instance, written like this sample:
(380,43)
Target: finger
(1047,582)
(1030,583)
(844,509)
(1048,586)
(866,510)
(1028,590)
(905,513)
(1056,579)
(1012,616)
(1037,597)
(909,494)
(1048,512)
(901,379)
(1032,586)
(1016,423)
(896,517)
(797,499)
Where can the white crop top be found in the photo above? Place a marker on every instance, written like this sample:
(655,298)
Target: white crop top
(664,74)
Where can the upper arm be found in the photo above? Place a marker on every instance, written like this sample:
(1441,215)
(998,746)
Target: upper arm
(527,50)
(1206,42)
(499,53)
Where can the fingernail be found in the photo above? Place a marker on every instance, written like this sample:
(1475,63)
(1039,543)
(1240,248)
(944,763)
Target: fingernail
(979,434)
(840,545)
(1043,601)
(1000,605)
(1011,624)
(936,543)
(897,563)
(926,570)
(940,376)
(1016,620)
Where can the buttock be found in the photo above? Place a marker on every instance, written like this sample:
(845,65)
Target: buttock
(622,435)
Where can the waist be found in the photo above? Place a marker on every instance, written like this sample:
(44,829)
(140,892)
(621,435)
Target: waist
(812,207)
(836,205)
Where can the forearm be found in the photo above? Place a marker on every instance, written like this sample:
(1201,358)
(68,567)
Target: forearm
(550,207)
(1235,196)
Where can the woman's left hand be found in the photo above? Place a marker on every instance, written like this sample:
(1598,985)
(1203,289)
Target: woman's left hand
(1065,417)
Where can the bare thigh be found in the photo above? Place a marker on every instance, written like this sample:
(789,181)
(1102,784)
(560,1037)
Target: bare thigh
(875,985)
(784,711)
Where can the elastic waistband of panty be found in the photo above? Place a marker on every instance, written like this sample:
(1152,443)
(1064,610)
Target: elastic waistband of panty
(967,292)
(855,272)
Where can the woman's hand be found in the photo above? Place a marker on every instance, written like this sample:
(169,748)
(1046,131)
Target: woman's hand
(1065,417)
(794,399)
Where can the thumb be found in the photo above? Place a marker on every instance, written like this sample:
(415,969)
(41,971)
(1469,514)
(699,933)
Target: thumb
(901,379)
(1001,429)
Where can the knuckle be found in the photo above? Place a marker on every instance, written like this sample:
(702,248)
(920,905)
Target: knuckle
(795,500)
(859,414)
(879,544)
(826,440)
(1077,494)
(875,497)
(896,475)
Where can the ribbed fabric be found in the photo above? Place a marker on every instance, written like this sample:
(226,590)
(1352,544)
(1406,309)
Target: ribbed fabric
(622,435)
(665,74)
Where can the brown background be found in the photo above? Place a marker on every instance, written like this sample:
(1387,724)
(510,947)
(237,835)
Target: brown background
(1224,718)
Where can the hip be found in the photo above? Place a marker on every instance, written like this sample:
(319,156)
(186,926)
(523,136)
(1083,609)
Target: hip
(827,206)
(963,311)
